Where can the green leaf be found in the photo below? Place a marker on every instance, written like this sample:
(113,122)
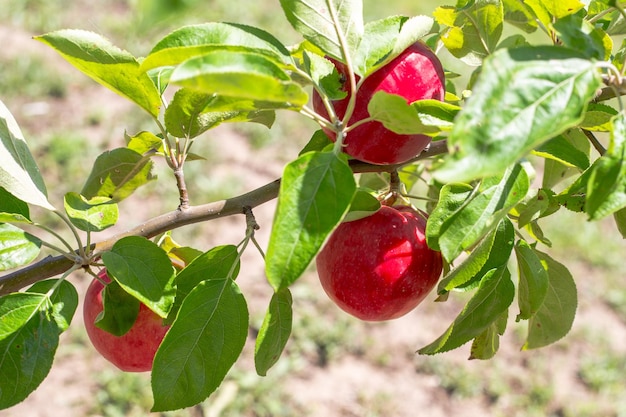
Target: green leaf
(562,150)
(493,297)
(555,317)
(313,20)
(190,114)
(518,14)
(323,74)
(599,118)
(144,142)
(107,64)
(579,34)
(120,310)
(549,10)
(318,142)
(486,344)
(29,336)
(540,205)
(204,341)
(241,75)
(474,31)
(274,332)
(144,271)
(13,205)
(19,174)
(176,252)
(463,216)
(385,39)
(17,247)
(606,188)
(533,281)
(429,117)
(196,40)
(219,262)
(561,164)
(315,194)
(116,174)
(94,215)
(14,218)
(363,204)
(539,93)
(619,58)
(64,300)
(492,252)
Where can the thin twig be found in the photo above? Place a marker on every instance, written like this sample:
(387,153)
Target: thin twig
(595,142)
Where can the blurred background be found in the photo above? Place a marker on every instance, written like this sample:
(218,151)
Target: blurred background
(334,365)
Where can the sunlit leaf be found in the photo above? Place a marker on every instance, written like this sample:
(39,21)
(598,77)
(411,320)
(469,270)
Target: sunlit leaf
(17,247)
(195,40)
(606,189)
(384,39)
(493,297)
(579,34)
(428,117)
(555,317)
(219,262)
(116,174)
(492,252)
(518,14)
(241,75)
(10,204)
(29,336)
(464,215)
(313,20)
(191,113)
(533,281)
(315,193)
(64,300)
(486,344)
(474,30)
(143,270)
(203,343)
(538,92)
(274,332)
(19,174)
(107,64)
(363,204)
(95,215)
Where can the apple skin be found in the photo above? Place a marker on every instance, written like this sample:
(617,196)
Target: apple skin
(133,351)
(379,267)
(415,74)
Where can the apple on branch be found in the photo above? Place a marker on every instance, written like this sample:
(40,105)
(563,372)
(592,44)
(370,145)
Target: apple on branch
(415,74)
(133,351)
(379,267)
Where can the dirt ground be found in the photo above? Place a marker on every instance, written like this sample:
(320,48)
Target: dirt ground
(373,369)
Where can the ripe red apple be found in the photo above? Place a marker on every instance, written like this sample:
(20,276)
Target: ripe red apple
(415,74)
(379,267)
(132,352)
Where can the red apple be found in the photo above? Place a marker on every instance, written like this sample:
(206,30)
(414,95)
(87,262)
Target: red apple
(132,352)
(415,74)
(379,267)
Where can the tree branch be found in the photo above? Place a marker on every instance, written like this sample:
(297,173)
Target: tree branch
(614,88)
(56,265)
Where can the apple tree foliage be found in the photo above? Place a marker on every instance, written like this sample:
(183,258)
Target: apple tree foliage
(538,128)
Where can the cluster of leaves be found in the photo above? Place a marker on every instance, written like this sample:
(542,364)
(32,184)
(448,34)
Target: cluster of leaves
(538,101)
